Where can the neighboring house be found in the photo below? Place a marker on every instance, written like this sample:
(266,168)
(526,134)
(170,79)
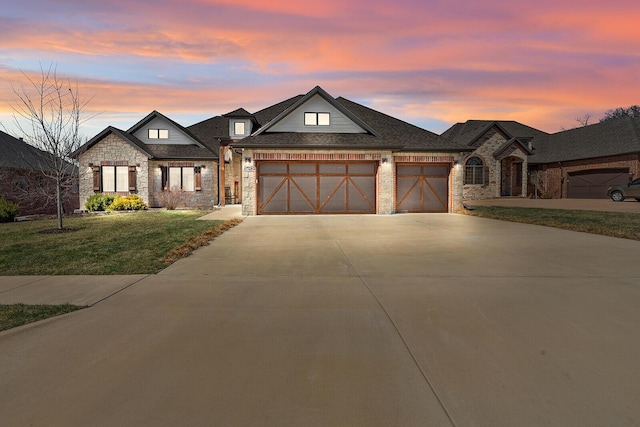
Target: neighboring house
(25,178)
(512,159)
(154,159)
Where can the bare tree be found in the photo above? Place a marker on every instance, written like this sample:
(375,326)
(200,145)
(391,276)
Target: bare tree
(584,120)
(632,111)
(48,115)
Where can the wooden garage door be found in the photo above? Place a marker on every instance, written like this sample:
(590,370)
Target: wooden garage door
(316,187)
(593,184)
(422,188)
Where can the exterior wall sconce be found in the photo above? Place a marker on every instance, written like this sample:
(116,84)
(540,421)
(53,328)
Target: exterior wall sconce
(247,159)
(90,165)
(384,160)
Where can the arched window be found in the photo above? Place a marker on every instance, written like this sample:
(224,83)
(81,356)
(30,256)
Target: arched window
(474,171)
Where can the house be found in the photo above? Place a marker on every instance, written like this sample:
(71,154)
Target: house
(513,159)
(315,154)
(26,178)
(309,154)
(154,158)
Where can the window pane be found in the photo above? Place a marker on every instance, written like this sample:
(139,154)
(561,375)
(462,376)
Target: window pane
(108,178)
(310,119)
(187,179)
(308,168)
(153,133)
(238,128)
(362,168)
(333,168)
(276,168)
(163,133)
(324,119)
(175,176)
(122,178)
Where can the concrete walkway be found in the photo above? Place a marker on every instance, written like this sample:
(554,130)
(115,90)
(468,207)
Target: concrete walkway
(406,320)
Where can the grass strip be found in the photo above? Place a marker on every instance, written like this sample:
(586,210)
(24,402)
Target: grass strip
(614,224)
(13,315)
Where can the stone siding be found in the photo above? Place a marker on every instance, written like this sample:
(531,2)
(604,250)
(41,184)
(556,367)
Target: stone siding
(113,149)
(204,198)
(493,140)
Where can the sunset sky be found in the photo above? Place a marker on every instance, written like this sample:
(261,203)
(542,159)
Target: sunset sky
(432,63)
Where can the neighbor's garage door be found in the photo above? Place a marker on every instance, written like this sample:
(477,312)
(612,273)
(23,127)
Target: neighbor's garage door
(593,184)
(316,187)
(422,188)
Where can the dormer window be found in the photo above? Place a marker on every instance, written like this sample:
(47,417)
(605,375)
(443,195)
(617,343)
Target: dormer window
(317,119)
(239,128)
(158,133)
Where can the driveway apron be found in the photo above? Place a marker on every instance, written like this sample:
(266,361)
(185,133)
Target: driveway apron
(411,320)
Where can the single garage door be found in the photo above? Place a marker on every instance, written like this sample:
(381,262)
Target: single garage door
(422,188)
(593,184)
(316,187)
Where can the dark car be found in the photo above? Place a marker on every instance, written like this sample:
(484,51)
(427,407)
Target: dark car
(620,192)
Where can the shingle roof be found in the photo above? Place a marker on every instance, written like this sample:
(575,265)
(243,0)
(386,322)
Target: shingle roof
(609,138)
(240,112)
(154,151)
(385,132)
(471,130)
(18,154)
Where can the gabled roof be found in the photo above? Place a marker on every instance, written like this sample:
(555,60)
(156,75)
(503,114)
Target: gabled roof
(609,138)
(197,150)
(216,129)
(322,93)
(383,131)
(132,140)
(522,143)
(471,130)
(155,114)
(239,113)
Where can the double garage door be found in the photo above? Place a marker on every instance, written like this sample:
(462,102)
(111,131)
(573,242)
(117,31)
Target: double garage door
(593,184)
(347,187)
(316,187)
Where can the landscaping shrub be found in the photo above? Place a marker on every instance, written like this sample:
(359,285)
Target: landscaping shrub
(8,210)
(171,199)
(132,202)
(99,202)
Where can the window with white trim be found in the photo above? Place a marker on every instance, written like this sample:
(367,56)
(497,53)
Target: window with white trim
(238,128)
(115,179)
(317,119)
(158,133)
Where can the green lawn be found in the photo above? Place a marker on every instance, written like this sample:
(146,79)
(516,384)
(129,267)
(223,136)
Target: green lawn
(13,315)
(614,224)
(127,243)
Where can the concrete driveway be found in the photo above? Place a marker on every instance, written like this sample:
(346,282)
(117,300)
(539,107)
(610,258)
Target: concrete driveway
(406,320)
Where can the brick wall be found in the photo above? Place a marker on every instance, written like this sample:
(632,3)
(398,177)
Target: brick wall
(553,176)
